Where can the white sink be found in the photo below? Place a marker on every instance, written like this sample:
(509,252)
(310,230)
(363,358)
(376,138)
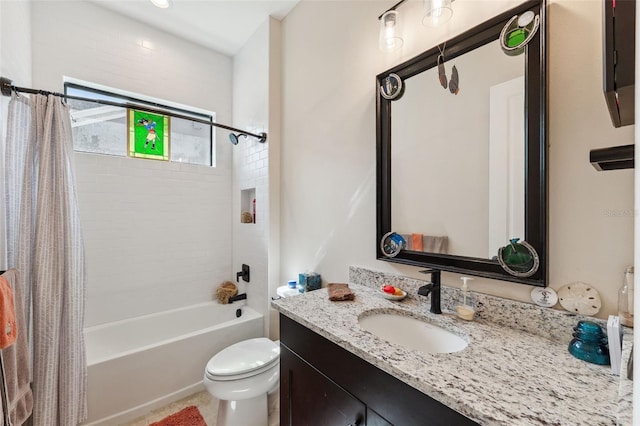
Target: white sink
(412,333)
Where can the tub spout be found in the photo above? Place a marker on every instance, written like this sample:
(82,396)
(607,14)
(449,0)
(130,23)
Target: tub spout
(242,296)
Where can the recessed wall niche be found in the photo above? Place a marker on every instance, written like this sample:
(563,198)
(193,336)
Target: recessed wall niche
(248,205)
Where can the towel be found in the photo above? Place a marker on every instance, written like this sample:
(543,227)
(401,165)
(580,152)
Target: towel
(17,399)
(426,243)
(416,242)
(338,291)
(8,328)
(435,244)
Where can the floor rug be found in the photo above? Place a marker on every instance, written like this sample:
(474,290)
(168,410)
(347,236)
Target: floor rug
(189,416)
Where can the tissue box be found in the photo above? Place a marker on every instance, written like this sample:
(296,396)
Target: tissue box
(309,281)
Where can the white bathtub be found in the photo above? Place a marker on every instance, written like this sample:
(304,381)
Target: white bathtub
(143,363)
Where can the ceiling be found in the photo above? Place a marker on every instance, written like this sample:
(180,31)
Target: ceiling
(221,25)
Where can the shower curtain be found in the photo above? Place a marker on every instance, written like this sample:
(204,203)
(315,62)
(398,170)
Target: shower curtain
(44,242)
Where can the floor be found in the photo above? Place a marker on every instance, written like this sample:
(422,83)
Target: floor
(208,407)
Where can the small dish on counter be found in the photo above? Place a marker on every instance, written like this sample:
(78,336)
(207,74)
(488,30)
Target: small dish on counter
(393,296)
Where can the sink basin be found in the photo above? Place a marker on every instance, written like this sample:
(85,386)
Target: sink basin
(412,333)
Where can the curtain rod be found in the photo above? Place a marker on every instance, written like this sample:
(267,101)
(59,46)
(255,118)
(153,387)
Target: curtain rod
(6,87)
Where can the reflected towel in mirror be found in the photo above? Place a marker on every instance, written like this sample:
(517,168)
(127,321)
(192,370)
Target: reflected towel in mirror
(429,243)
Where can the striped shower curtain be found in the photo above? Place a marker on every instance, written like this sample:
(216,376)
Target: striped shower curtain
(44,242)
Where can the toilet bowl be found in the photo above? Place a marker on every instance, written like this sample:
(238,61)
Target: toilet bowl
(240,376)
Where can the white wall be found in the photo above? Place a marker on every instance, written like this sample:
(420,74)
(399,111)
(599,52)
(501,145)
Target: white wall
(254,82)
(15,64)
(157,235)
(275,138)
(15,42)
(330,60)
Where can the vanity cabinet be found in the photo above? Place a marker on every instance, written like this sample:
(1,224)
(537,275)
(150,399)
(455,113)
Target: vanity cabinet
(313,399)
(323,384)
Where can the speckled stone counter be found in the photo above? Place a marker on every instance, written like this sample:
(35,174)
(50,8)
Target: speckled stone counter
(505,376)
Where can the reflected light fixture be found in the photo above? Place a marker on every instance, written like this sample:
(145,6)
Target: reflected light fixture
(162,4)
(390,31)
(437,12)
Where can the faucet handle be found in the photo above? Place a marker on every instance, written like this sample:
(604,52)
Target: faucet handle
(244,274)
(425,289)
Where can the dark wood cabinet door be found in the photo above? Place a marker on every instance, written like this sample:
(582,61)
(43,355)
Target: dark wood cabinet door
(375,419)
(309,398)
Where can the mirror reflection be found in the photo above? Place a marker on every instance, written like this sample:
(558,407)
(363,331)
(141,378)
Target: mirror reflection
(462,172)
(466,153)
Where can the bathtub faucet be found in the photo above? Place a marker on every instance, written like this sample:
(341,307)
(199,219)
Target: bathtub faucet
(242,296)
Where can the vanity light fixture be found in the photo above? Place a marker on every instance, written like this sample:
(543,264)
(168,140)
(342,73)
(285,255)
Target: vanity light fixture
(437,12)
(390,31)
(162,4)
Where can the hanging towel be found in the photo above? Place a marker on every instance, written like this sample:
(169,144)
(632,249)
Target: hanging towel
(416,242)
(433,244)
(426,243)
(17,399)
(8,328)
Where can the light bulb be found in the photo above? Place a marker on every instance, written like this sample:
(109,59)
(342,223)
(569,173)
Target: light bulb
(437,12)
(390,31)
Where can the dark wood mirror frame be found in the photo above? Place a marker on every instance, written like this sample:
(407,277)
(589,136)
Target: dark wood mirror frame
(535,150)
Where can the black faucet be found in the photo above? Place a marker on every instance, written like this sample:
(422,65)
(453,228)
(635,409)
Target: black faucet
(432,288)
(242,296)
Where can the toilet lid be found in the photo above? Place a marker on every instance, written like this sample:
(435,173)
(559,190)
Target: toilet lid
(244,357)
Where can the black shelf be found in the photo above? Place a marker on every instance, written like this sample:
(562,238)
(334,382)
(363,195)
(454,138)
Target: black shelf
(619,60)
(614,158)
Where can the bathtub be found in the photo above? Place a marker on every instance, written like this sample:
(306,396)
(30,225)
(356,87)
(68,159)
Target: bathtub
(139,364)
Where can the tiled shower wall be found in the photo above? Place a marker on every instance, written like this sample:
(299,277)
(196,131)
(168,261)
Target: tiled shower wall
(251,163)
(157,235)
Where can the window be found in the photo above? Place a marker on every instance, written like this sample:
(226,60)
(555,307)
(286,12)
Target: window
(102,129)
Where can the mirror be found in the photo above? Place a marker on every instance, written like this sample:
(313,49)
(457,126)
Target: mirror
(462,172)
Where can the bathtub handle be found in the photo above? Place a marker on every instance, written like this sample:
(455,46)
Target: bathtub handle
(244,274)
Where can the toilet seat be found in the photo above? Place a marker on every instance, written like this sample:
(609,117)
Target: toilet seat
(243,359)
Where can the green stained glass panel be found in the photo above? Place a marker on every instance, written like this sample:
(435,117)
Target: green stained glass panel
(148,135)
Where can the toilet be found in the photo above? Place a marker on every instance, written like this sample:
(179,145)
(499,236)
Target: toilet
(240,376)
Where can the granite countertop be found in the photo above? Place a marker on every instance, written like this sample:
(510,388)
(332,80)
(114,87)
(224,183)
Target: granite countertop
(505,376)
